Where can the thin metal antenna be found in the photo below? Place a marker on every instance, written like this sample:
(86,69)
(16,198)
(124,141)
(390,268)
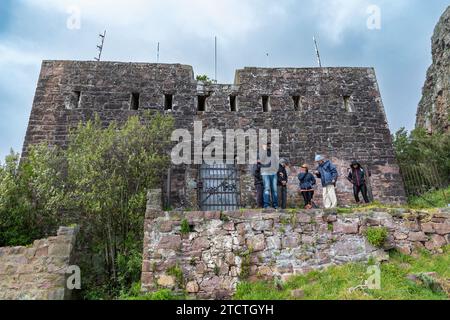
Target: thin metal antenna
(317,52)
(215,59)
(100,47)
(157,55)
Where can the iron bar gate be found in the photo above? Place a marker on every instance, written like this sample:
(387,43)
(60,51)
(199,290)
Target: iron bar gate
(219,188)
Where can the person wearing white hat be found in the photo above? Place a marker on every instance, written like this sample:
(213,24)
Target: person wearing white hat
(327,173)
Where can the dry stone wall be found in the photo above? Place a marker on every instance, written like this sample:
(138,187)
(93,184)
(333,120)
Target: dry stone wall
(37,272)
(225,248)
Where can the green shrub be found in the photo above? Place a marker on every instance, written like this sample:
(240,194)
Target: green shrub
(163,294)
(177,273)
(100,181)
(376,236)
(245,264)
(204,78)
(185,227)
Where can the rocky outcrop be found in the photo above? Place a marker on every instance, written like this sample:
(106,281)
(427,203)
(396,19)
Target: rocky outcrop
(37,272)
(434,108)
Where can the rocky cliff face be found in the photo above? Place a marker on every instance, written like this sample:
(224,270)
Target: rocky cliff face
(434,108)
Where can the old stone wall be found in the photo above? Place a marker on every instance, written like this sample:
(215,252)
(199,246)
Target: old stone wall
(225,248)
(337,112)
(37,272)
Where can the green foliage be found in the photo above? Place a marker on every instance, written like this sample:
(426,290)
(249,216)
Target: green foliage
(334,283)
(438,198)
(177,273)
(376,236)
(204,78)
(163,294)
(185,227)
(100,182)
(245,264)
(29,197)
(424,160)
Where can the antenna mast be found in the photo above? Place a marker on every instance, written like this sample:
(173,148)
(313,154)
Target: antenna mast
(317,52)
(100,47)
(157,55)
(215,59)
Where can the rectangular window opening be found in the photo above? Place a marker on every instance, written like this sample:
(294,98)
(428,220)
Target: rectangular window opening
(233,103)
(201,103)
(296,103)
(135,101)
(168,102)
(77,95)
(266,103)
(347,104)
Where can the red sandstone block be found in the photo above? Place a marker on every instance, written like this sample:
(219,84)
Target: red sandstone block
(441,228)
(212,215)
(428,227)
(170,242)
(195,215)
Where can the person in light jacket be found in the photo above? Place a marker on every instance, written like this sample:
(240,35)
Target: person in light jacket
(269,169)
(327,173)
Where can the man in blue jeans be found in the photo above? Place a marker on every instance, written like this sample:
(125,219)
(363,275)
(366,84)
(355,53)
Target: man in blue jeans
(269,170)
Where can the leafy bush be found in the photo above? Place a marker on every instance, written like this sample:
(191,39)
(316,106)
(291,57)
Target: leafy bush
(376,236)
(424,160)
(204,78)
(177,273)
(29,197)
(185,227)
(100,182)
(163,294)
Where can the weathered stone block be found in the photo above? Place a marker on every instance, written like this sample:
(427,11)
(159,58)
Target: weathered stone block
(436,241)
(347,227)
(262,225)
(257,243)
(417,236)
(166,281)
(273,243)
(192,287)
(291,241)
(172,242)
(442,228)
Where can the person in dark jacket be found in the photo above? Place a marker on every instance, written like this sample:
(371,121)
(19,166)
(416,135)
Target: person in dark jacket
(357,176)
(282,177)
(307,183)
(259,185)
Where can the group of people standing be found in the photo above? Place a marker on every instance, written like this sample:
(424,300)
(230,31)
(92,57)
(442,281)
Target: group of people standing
(271,184)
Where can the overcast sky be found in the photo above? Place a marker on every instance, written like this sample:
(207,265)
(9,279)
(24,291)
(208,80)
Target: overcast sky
(400,50)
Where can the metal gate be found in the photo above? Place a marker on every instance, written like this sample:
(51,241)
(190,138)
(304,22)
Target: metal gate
(219,187)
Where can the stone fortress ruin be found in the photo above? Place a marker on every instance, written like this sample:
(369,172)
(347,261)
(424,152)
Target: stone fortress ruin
(337,112)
